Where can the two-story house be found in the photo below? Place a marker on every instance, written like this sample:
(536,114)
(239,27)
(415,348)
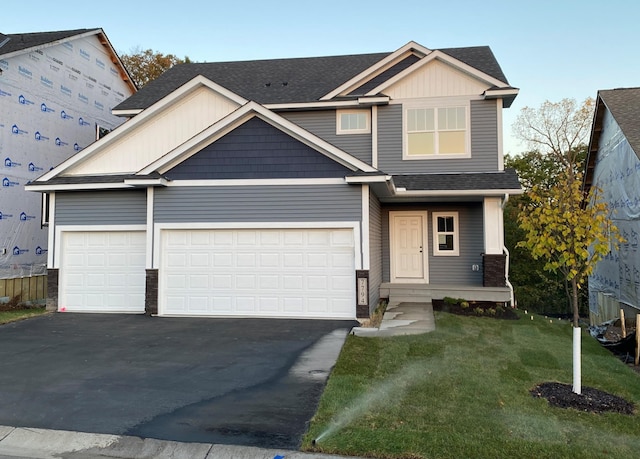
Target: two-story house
(613,168)
(57,90)
(306,188)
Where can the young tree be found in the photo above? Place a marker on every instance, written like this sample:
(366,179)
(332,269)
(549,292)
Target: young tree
(559,228)
(145,66)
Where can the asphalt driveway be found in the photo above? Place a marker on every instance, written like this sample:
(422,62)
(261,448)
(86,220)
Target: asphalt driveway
(248,382)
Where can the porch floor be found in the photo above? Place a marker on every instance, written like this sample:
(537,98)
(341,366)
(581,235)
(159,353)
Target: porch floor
(400,292)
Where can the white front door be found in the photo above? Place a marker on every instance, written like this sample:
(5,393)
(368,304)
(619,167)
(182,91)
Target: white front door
(407,232)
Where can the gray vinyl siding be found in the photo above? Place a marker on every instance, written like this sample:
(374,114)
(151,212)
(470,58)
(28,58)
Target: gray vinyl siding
(484,143)
(282,203)
(375,251)
(114,207)
(446,270)
(323,124)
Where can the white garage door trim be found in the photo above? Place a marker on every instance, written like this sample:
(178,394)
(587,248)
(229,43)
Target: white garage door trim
(118,275)
(256,302)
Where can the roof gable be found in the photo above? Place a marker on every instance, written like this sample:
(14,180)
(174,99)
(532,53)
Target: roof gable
(197,105)
(236,119)
(256,150)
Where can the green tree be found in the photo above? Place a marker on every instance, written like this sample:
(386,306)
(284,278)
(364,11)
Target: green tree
(145,66)
(569,236)
(536,289)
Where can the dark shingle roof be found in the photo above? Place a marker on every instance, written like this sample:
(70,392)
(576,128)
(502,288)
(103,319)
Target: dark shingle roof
(265,81)
(479,57)
(288,80)
(20,41)
(624,105)
(506,180)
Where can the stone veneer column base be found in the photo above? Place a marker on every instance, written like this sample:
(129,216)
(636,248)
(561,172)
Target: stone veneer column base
(494,270)
(52,290)
(151,292)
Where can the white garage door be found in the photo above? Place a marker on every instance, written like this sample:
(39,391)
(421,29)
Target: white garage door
(102,271)
(304,273)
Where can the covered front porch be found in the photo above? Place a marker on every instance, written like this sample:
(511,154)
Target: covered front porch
(407,292)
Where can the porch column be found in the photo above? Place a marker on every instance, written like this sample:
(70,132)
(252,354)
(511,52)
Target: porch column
(494,258)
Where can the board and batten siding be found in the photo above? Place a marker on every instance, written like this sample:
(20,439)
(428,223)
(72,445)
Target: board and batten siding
(375,251)
(484,143)
(259,203)
(446,269)
(126,207)
(256,149)
(322,123)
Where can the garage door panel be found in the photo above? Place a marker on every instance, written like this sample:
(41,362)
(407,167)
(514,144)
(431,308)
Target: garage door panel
(261,272)
(102,271)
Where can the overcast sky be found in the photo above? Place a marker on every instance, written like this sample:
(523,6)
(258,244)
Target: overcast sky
(548,49)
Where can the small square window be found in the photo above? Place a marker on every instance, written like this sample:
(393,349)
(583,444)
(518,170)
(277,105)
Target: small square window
(353,122)
(445,234)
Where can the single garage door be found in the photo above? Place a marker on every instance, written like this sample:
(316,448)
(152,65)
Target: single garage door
(102,271)
(302,273)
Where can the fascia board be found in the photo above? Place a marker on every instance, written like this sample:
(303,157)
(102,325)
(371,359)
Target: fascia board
(126,113)
(145,115)
(75,187)
(369,179)
(115,59)
(359,102)
(370,72)
(444,58)
(500,93)
(455,193)
(235,119)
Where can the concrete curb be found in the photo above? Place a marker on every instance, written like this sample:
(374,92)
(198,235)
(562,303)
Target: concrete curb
(23,442)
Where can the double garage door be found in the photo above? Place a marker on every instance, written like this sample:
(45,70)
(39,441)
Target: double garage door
(298,273)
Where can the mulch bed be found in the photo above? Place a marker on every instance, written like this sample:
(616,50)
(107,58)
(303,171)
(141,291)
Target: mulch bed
(591,400)
(476,309)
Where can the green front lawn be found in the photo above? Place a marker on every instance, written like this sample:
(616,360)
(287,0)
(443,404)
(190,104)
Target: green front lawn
(463,392)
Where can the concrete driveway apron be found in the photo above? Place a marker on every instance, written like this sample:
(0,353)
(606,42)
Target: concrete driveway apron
(252,382)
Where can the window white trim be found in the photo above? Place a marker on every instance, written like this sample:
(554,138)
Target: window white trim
(437,104)
(437,251)
(366,129)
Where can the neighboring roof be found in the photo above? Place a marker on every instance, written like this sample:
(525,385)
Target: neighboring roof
(22,41)
(18,43)
(505,180)
(295,80)
(624,105)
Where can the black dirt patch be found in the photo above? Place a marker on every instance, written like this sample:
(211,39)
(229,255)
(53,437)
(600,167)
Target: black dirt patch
(591,400)
(475,308)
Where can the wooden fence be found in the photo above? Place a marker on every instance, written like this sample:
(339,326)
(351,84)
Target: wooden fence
(32,288)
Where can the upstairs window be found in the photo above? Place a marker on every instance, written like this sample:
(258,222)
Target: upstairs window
(353,122)
(445,234)
(432,132)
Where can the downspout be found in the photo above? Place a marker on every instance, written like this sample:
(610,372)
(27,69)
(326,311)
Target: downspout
(506,263)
